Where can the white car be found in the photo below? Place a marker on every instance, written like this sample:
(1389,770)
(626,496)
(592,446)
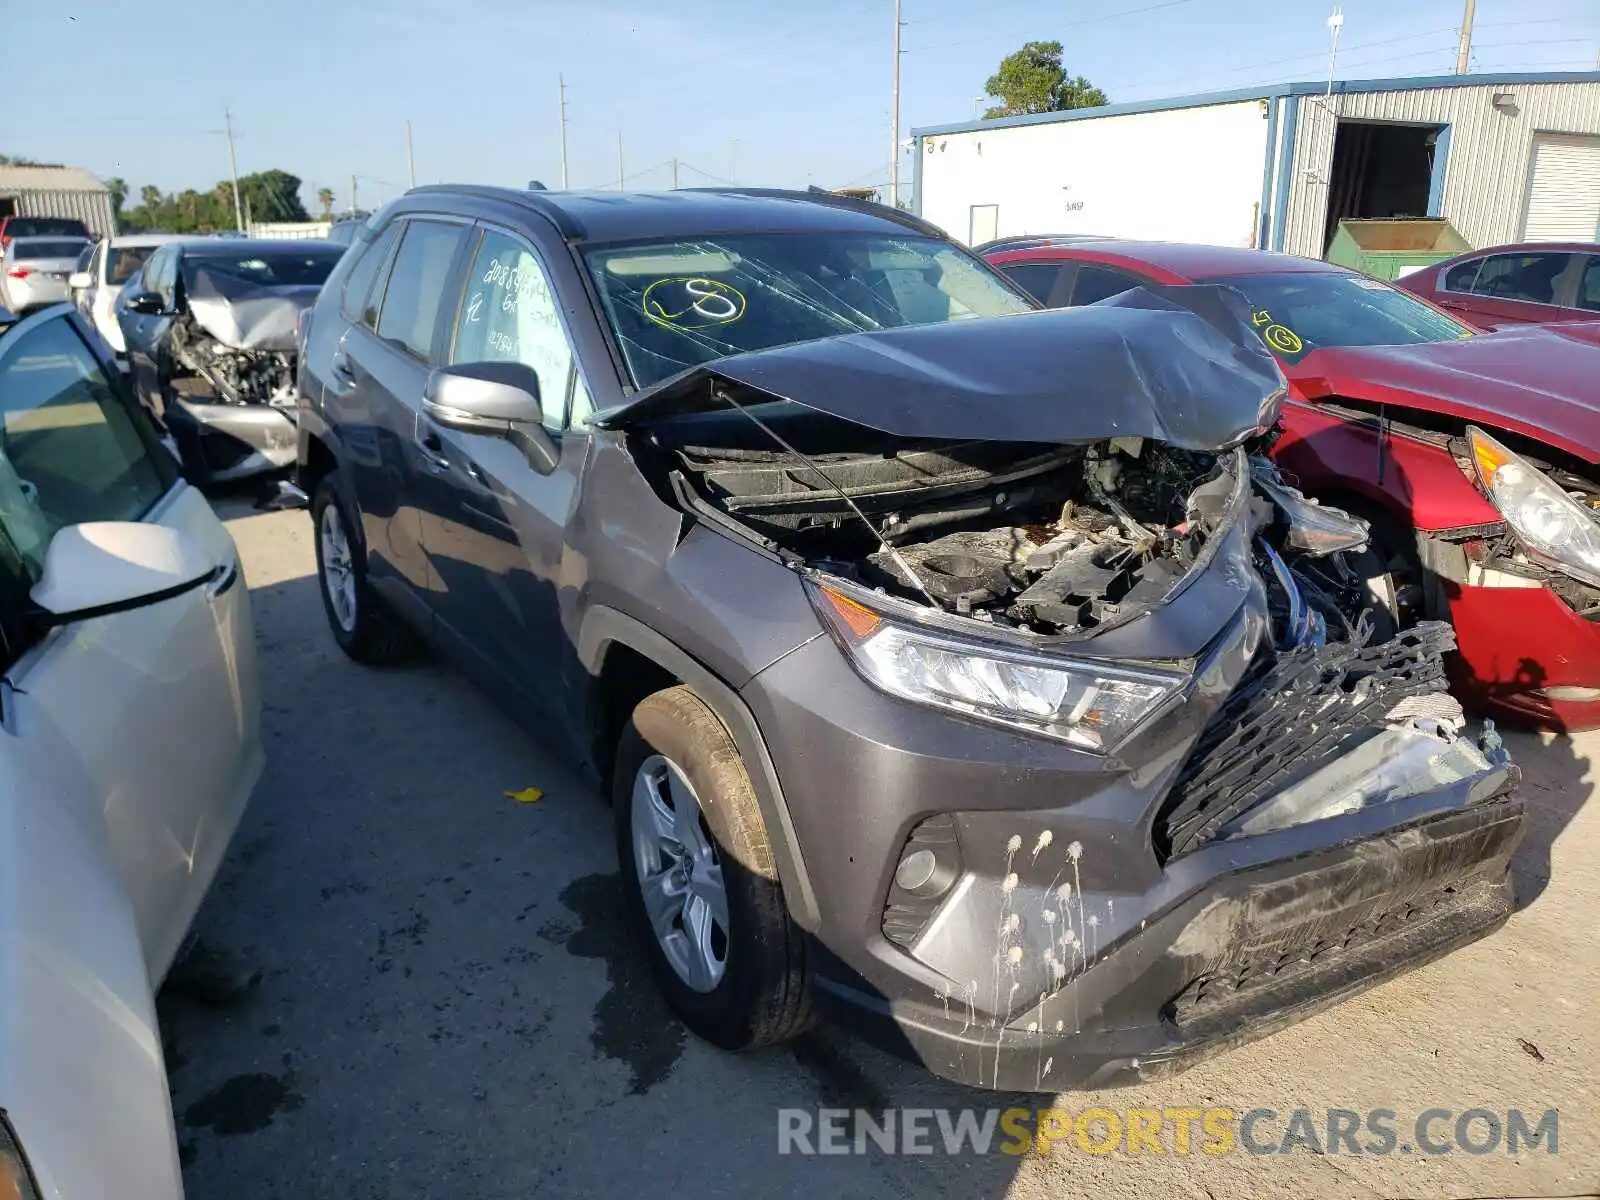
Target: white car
(34,271)
(129,744)
(98,281)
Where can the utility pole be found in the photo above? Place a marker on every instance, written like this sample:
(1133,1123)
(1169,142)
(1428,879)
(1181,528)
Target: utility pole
(619,161)
(561,81)
(411,162)
(233,172)
(353,205)
(674,174)
(894,118)
(1464,50)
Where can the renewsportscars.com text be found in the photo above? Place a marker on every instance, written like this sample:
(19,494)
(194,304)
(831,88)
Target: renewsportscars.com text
(1133,1131)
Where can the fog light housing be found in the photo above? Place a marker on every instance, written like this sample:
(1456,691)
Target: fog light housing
(930,864)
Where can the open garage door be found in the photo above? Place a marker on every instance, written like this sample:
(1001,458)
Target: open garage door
(1563,189)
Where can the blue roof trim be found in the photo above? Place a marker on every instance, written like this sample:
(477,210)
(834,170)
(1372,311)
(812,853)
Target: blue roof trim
(1264,92)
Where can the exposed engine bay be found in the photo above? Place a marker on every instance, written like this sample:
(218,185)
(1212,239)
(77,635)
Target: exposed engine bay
(234,376)
(1058,541)
(237,337)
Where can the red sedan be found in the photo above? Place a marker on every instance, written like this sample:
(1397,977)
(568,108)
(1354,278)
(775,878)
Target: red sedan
(1516,285)
(1474,455)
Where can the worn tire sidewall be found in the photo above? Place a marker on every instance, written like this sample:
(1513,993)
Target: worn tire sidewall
(677,724)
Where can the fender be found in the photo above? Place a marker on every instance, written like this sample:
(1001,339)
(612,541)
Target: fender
(603,626)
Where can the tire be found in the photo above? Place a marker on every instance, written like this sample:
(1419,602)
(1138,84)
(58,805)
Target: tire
(675,749)
(362,624)
(1392,577)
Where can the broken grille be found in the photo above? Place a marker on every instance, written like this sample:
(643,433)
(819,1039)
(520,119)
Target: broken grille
(1292,709)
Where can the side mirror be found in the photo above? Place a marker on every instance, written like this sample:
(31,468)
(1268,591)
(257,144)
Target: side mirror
(497,399)
(79,280)
(148,303)
(105,567)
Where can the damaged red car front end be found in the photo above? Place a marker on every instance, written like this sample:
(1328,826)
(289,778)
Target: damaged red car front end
(1384,389)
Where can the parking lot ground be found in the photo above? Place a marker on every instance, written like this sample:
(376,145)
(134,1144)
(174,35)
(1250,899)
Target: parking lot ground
(449,1007)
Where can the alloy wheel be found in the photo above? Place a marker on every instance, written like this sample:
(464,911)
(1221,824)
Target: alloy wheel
(680,874)
(338,568)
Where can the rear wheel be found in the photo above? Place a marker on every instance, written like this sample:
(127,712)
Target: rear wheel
(362,624)
(702,890)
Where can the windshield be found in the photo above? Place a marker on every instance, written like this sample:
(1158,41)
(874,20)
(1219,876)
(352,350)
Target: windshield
(125,261)
(42,248)
(1299,312)
(674,305)
(278,269)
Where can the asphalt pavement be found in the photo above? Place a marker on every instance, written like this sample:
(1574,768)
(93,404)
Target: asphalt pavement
(449,1006)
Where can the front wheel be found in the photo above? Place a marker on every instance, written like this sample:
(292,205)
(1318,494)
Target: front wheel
(701,885)
(362,625)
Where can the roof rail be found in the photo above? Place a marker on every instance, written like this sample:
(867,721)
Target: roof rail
(536,201)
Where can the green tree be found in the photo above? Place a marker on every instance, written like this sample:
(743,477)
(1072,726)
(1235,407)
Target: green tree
(118,187)
(325,198)
(1032,80)
(273,196)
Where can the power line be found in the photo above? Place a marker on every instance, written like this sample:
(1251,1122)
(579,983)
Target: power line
(997,35)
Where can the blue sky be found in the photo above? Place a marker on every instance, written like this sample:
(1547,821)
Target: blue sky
(761,93)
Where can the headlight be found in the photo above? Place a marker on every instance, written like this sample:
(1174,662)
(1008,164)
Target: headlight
(1553,527)
(1088,704)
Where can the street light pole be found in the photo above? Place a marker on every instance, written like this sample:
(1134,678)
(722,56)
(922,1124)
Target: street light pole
(894,118)
(233,172)
(1464,49)
(562,82)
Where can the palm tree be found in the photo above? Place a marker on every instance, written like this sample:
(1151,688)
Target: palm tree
(150,196)
(325,198)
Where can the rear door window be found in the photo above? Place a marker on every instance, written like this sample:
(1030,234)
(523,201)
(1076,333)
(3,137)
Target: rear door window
(1100,283)
(1531,278)
(1589,285)
(415,292)
(72,448)
(1048,283)
(1462,276)
(358,284)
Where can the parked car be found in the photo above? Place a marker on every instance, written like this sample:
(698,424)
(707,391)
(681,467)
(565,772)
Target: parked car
(1393,407)
(345,230)
(109,264)
(129,704)
(946,660)
(1515,285)
(51,227)
(34,272)
(210,335)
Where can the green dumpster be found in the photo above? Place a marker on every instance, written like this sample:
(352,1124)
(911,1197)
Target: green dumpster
(1388,249)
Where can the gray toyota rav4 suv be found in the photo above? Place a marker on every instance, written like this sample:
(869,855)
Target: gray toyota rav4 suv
(961,670)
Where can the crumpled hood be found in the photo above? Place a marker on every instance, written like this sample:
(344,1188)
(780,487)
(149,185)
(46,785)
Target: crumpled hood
(245,315)
(1539,380)
(1180,365)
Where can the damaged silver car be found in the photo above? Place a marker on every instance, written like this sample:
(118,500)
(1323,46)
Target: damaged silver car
(210,327)
(965,672)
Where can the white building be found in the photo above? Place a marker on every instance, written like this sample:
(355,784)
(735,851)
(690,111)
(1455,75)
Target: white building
(1503,157)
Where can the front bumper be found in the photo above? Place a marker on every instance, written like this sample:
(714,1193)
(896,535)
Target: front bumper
(1252,951)
(219,442)
(1069,952)
(1525,655)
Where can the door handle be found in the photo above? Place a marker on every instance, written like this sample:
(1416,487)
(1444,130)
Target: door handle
(432,446)
(339,368)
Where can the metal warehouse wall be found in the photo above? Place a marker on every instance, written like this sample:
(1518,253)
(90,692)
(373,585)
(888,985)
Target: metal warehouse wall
(92,208)
(1486,165)
(1186,174)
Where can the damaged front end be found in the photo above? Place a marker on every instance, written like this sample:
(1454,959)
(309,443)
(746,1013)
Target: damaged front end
(1192,707)
(233,379)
